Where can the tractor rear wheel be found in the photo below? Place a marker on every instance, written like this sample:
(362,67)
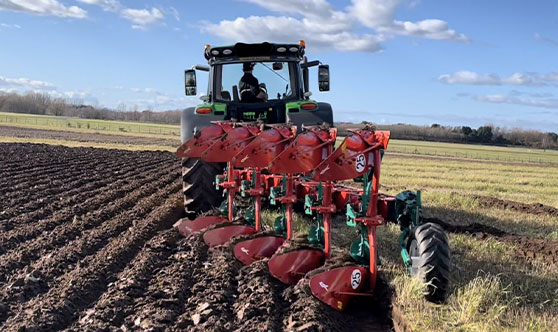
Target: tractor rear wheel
(430,255)
(198,178)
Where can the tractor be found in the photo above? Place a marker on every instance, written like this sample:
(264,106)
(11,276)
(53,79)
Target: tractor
(271,143)
(285,71)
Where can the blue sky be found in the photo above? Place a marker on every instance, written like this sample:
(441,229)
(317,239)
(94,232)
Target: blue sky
(412,61)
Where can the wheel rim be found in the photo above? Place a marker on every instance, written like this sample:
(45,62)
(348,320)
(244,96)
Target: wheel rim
(415,257)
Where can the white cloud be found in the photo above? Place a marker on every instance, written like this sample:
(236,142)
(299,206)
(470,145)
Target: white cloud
(174,13)
(26,83)
(325,27)
(319,8)
(147,90)
(472,78)
(429,29)
(380,15)
(374,13)
(533,102)
(142,17)
(547,40)
(107,5)
(43,7)
(139,27)
(283,29)
(469,77)
(10,26)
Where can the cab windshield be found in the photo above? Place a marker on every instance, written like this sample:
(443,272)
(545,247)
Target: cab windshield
(281,79)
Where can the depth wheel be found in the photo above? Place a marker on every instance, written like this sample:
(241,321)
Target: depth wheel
(430,255)
(198,178)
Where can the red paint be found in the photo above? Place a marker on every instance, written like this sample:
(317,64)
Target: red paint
(253,250)
(290,267)
(337,287)
(222,235)
(305,152)
(201,141)
(228,146)
(188,227)
(265,147)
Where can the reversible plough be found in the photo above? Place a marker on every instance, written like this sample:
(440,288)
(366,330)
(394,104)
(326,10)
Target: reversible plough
(274,164)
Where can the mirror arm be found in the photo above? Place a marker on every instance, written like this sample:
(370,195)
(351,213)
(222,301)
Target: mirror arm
(310,64)
(200,67)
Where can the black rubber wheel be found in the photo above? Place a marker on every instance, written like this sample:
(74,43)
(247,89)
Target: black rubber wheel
(198,186)
(430,255)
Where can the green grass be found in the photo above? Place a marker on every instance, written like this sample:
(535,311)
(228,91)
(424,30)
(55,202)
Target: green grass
(448,188)
(61,123)
(493,289)
(472,151)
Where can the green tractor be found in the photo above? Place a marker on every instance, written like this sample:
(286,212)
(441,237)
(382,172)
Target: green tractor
(282,71)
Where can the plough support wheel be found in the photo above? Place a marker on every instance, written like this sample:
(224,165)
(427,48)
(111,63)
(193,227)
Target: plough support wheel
(222,235)
(338,286)
(253,250)
(187,227)
(290,267)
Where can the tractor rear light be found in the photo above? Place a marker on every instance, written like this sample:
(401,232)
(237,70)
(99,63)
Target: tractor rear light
(281,49)
(293,49)
(309,106)
(227,52)
(215,52)
(203,110)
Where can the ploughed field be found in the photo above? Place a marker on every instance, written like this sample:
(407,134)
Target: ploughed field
(87,244)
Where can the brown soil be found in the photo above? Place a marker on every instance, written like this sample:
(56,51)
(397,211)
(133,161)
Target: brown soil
(528,247)
(86,244)
(536,208)
(85,137)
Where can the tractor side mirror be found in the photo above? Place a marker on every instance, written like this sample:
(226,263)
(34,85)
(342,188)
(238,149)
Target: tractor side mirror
(190,82)
(323,77)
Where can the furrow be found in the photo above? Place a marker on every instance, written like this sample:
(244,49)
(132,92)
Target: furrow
(84,285)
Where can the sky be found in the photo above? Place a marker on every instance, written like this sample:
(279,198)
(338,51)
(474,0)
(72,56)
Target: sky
(461,62)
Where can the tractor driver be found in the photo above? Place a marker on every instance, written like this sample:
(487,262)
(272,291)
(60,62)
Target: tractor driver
(251,91)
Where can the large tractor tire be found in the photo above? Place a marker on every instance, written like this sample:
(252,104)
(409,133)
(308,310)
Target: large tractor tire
(198,186)
(430,255)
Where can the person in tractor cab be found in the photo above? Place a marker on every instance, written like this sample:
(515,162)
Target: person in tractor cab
(251,91)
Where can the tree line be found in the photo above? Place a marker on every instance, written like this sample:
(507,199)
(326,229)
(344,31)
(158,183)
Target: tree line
(487,134)
(44,104)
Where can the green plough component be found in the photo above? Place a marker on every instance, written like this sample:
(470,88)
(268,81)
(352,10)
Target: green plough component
(360,249)
(245,186)
(316,234)
(250,215)
(407,209)
(224,207)
(280,224)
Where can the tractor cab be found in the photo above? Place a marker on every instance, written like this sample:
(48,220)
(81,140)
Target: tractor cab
(281,72)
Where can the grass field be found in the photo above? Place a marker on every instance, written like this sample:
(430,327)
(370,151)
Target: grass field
(494,289)
(467,151)
(471,151)
(64,123)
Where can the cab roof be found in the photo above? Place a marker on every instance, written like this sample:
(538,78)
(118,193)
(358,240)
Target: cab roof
(254,52)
